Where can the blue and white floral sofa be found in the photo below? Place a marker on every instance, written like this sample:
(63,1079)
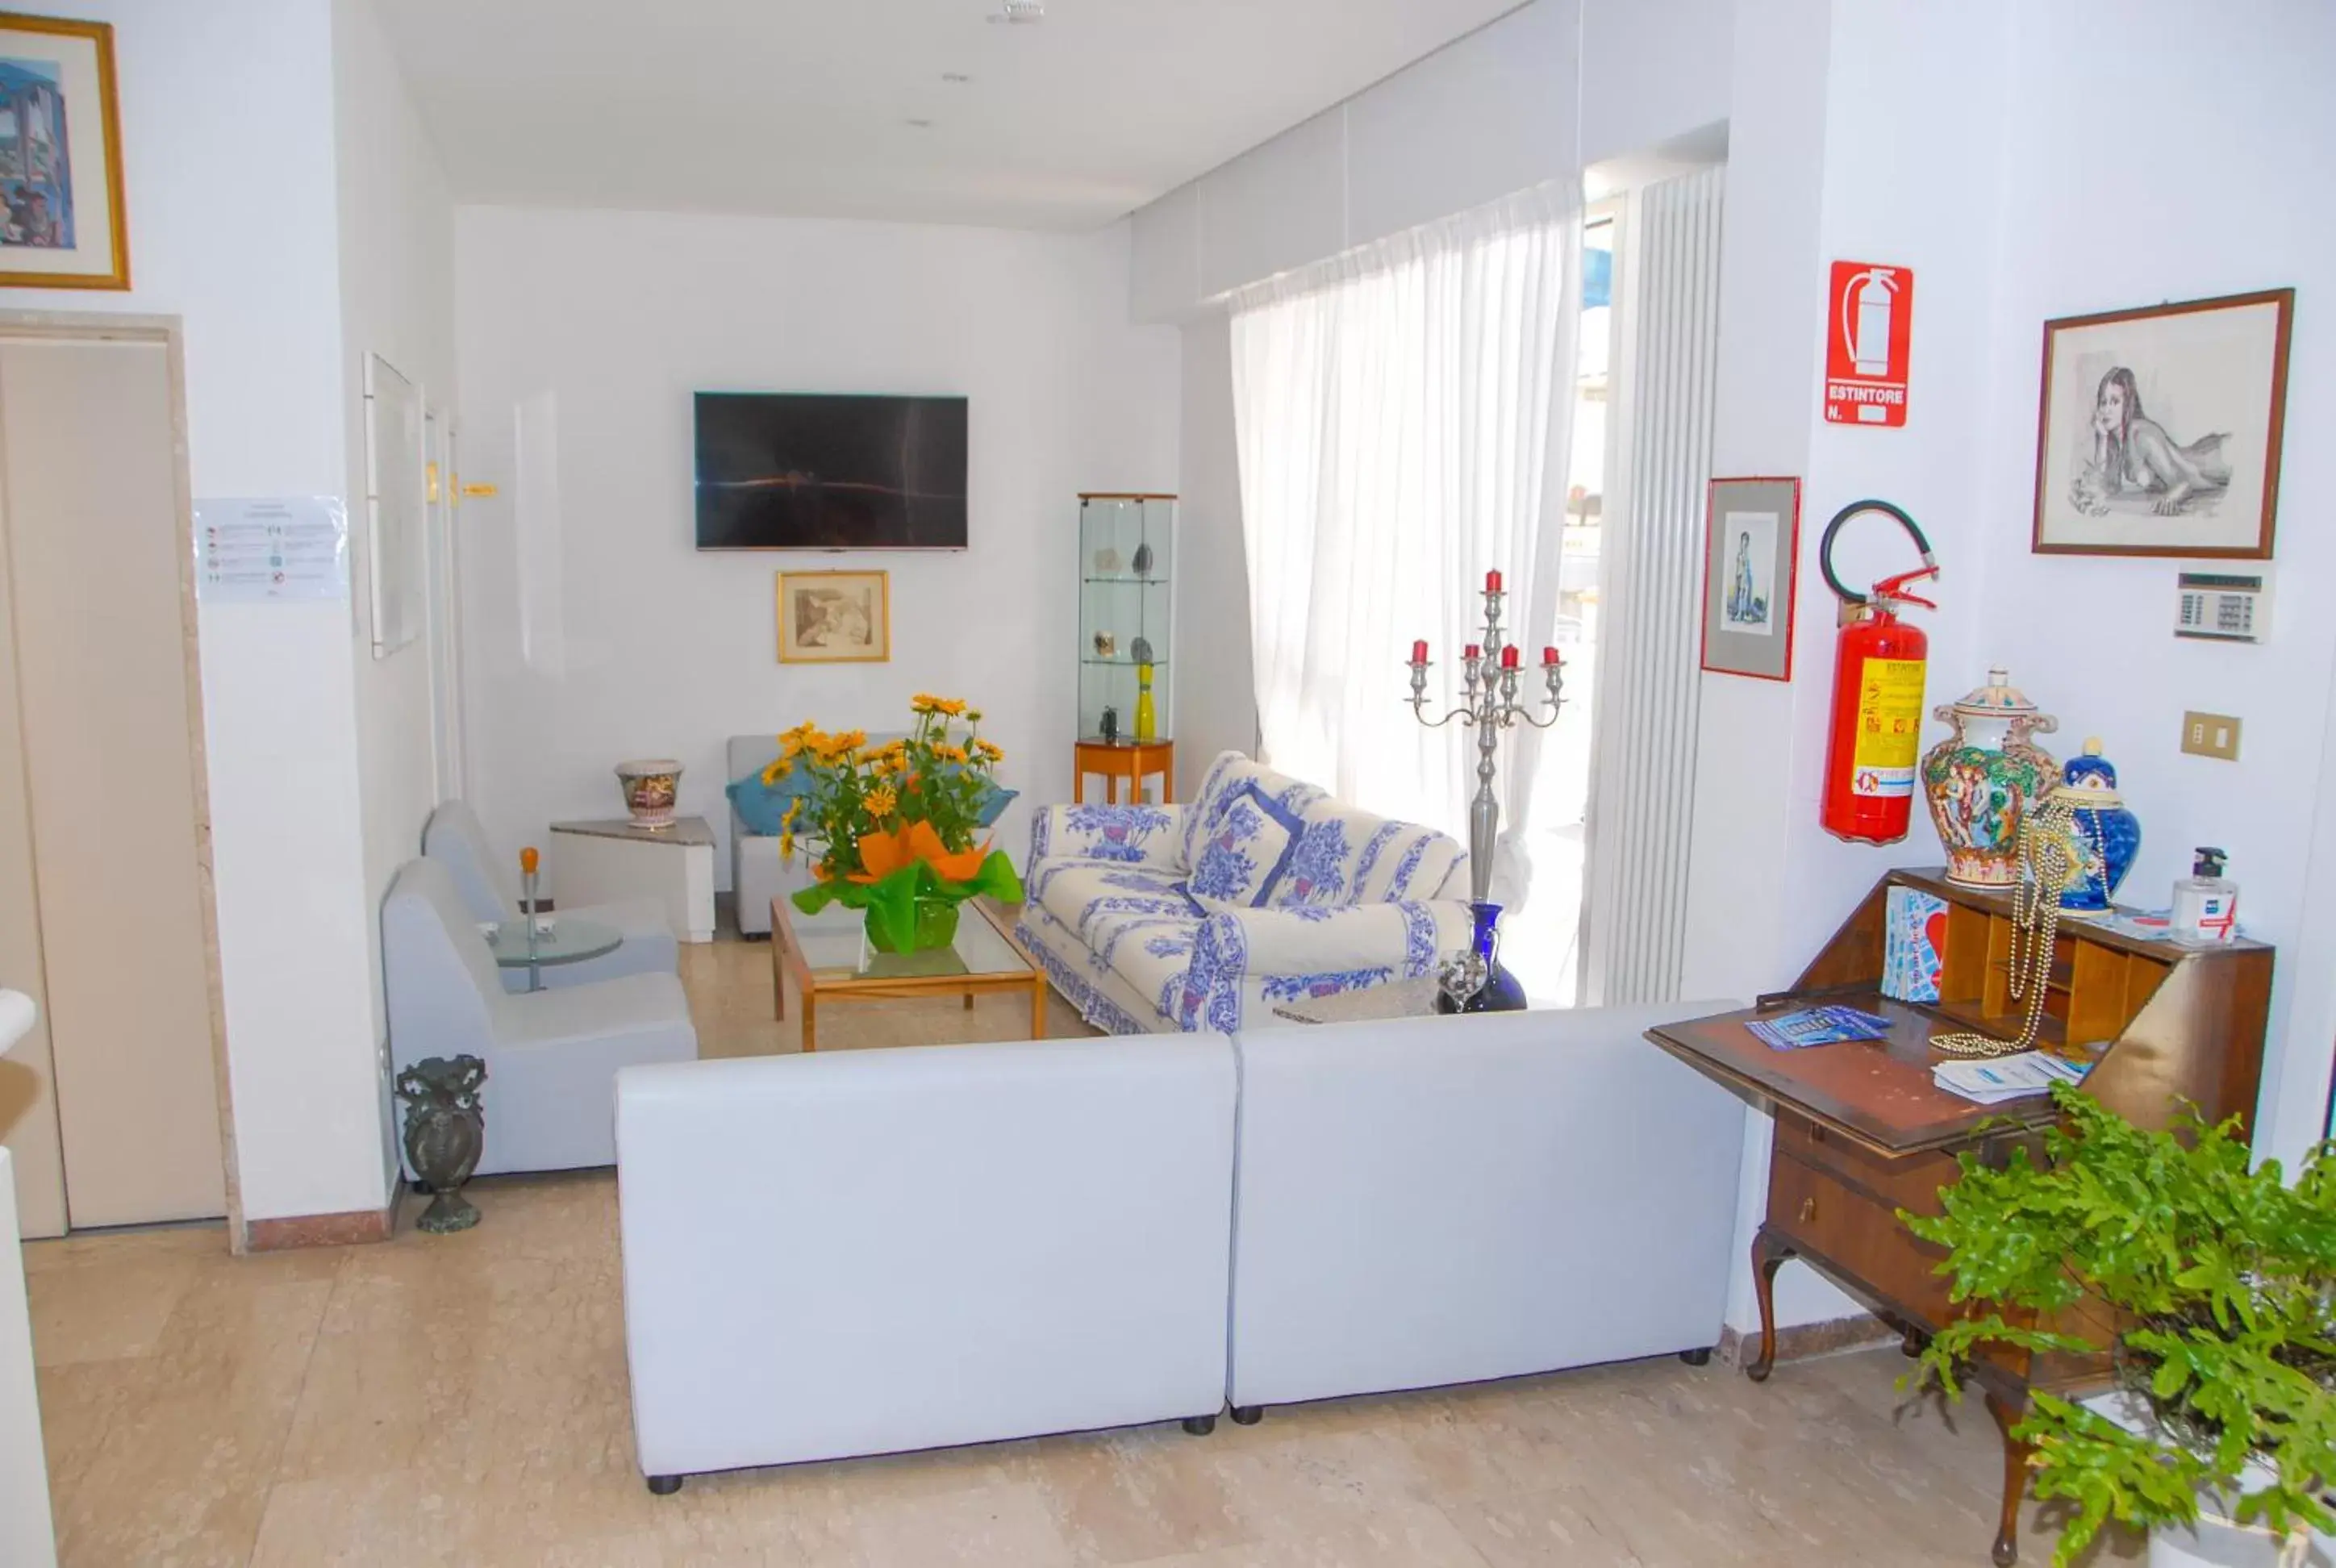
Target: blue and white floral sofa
(1162,918)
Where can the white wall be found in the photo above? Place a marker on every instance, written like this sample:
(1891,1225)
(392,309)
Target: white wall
(1767,884)
(228,137)
(397,301)
(2203,184)
(616,320)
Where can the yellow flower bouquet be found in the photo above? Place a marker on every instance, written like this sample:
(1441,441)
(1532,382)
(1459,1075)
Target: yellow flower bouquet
(893,826)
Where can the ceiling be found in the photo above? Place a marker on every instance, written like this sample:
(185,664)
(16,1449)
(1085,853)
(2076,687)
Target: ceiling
(786,106)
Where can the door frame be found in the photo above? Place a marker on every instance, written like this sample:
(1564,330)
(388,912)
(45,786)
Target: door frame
(90,327)
(450,737)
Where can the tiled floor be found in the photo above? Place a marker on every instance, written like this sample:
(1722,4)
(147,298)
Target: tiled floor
(463,1400)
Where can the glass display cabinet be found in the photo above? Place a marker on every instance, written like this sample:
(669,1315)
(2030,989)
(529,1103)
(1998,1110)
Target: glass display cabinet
(1127,561)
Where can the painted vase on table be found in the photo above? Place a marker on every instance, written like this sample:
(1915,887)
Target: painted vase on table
(2105,835)
(1980,781)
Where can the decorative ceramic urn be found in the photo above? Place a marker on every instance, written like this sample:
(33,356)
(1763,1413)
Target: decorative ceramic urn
(1982,780)
(445,1133)
(2107,836)
(651,787)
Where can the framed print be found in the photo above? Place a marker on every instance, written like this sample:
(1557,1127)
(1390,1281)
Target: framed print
(2158,431)
(1752,538)
(62,218)
(834,618)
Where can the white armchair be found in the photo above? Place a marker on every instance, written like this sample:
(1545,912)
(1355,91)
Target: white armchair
(457,840)
(552,1055)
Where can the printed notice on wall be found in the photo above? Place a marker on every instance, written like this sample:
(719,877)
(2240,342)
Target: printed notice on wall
(255,549)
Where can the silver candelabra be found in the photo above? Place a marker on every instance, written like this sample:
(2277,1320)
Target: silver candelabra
(1490,677)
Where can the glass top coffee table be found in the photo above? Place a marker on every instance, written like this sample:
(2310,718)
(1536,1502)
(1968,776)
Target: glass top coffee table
(567,942)
(828,956)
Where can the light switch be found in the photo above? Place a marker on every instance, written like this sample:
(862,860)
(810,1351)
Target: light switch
(2213,734)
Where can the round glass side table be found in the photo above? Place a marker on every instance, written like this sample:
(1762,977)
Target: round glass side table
(569,942)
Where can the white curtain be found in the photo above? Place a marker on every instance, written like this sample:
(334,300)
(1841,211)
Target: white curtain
(1403,414)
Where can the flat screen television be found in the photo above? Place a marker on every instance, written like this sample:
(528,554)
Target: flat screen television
(802,471)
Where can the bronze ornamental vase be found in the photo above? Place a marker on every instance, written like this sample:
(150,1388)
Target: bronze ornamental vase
(445,1133)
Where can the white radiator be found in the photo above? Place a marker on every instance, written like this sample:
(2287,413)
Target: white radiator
(1642,793)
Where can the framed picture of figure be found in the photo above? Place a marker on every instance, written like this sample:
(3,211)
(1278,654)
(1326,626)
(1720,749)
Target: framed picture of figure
(1752,538)
(2158,431)
(834,618)
(62,218)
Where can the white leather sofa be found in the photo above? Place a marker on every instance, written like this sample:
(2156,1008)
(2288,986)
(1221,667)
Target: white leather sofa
(1435,1200)
(884,1250)
(862,1252)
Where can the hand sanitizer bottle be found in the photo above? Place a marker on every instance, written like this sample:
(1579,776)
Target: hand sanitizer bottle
(2205,902)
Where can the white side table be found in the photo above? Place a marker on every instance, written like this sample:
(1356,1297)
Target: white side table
(599,862)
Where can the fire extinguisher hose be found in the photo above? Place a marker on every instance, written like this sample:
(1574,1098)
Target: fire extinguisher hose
(1825,546)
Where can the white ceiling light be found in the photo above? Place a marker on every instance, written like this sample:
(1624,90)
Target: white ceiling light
(1020,11)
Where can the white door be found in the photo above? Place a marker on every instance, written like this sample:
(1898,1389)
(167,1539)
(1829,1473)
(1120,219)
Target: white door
(98,773)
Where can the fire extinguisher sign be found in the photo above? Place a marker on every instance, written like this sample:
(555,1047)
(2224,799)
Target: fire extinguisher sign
(1870,324)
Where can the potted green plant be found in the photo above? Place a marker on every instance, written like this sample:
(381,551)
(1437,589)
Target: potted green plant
(2220,1280)
(896,824)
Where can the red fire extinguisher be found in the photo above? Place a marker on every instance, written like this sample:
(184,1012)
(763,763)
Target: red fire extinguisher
(1877,696)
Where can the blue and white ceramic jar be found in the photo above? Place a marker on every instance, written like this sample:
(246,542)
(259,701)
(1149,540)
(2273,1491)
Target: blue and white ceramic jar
(2107,835)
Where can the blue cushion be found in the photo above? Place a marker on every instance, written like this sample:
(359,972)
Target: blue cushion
(760,806)
(1245,851)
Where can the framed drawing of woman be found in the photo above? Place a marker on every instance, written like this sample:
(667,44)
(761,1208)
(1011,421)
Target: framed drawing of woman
(2159,428)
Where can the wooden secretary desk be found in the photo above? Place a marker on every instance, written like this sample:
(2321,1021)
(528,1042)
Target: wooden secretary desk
(1862,1132)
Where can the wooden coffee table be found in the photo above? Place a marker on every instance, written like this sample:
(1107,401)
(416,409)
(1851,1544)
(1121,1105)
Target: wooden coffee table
(828,956)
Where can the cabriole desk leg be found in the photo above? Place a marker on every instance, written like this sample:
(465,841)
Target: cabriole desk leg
(1769,1253)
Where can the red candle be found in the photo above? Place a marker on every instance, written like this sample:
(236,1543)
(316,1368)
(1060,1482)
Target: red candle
(1509,656)
(1472,651)
(1419,650)
(1492,582)
(1549,655)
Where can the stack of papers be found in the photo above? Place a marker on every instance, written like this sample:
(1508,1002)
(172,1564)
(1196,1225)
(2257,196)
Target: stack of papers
(1996,1080)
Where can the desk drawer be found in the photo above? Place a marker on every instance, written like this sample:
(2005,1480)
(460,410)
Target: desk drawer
(1908,1182)
(1859,1234)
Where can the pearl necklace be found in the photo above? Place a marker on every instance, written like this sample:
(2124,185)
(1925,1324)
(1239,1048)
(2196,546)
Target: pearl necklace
(2047,854)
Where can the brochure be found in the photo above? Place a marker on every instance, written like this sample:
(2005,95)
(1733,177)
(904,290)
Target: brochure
(1994,1079)
(1817,1027)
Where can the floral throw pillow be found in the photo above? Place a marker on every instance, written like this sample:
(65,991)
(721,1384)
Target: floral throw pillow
(1245,851)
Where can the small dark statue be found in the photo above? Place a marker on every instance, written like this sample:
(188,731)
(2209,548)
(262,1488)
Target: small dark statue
(445,1129)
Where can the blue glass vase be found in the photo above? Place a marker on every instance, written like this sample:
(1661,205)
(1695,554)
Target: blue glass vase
(1501,992)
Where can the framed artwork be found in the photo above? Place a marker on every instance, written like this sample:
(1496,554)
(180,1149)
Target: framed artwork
(1752,540)
(2158,431)
(834,618)
(63,221)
